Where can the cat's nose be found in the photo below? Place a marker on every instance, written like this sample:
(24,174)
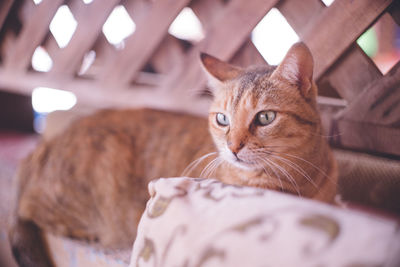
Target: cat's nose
(235,147)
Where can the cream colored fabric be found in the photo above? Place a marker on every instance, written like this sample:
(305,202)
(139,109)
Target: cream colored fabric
(194,222)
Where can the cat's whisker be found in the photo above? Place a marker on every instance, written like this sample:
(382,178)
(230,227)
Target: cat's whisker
(327,136)
(286,174)
(195,163)
(264,148)
(260,161)
(214,166)
(276,153)
(207,171)
(207,167)
(272,169)
(297,168)
(308,162)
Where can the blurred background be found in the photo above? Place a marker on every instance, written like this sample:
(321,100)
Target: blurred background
(61,59)
(272,37)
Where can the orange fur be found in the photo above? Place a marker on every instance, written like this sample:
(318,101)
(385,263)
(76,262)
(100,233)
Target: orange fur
(289,154)
(90,181)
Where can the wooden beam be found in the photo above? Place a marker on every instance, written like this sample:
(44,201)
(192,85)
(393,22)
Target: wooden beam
(51,46)
(105,52)
(102,95)
(351,74)
(299,14)
(248,55)
(372,120)
(345,20)
(137,9)
(169,52)
(141,45)
(353,71)
(32,35)
(77,7)
(25,11)
(5,7)
(168,55)
(7,44)
(328,108)
(380,102)
(394,11)
(238,20)
(367,137)
(206,11)
(90,22)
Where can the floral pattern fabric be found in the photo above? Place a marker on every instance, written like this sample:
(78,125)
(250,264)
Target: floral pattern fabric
(202,223)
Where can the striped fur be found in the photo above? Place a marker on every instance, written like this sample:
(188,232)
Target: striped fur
(90,182)
(290,154)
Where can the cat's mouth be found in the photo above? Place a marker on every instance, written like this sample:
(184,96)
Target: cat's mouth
(246,164)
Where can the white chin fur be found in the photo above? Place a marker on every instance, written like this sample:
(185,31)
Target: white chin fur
(228,157)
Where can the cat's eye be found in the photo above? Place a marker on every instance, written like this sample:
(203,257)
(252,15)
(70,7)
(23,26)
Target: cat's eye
(265,117)
(222,119)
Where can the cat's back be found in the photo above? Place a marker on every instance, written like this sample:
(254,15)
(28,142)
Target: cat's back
(144,139)
(104,161)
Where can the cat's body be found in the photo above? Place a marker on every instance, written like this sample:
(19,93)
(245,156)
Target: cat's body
(90,182)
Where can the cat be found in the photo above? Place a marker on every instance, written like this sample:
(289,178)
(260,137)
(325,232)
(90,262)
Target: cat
(90,181)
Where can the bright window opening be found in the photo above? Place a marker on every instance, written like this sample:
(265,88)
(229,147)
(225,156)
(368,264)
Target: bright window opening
(273,36)
(41,61)
(187,26)
(328,2)
(118,26)
(46,100)
(63,26)
(381,43)
(87,61)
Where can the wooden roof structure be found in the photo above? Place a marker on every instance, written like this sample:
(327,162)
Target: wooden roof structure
(156,69)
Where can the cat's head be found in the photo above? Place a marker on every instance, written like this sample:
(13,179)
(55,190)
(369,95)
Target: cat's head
(260,111)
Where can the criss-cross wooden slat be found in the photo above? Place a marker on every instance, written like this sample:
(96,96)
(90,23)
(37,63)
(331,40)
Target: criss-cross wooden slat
(117,77)
(168,55)
(137,9)
(32,35)
(149,33)
(353,71)
(105,51)
(395,11)
(90,22)
(300,13)
(206,11)
(337,27)
(5,7)
(220,41)
(372,120)
(248,55)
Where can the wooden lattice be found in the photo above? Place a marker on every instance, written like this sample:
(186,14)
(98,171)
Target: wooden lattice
(159,70)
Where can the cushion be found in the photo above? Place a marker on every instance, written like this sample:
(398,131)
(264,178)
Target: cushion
(196,222)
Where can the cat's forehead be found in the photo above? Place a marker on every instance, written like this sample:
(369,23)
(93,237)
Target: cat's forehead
(255,80)
(251,86)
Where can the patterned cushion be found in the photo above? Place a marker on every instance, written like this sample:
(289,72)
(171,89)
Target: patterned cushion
(196,222)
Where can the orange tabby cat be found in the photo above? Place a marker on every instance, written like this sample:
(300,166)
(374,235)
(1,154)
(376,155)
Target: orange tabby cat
(90,181)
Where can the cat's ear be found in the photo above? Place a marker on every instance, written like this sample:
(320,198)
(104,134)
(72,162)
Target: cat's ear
(217,70)
(297,68)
